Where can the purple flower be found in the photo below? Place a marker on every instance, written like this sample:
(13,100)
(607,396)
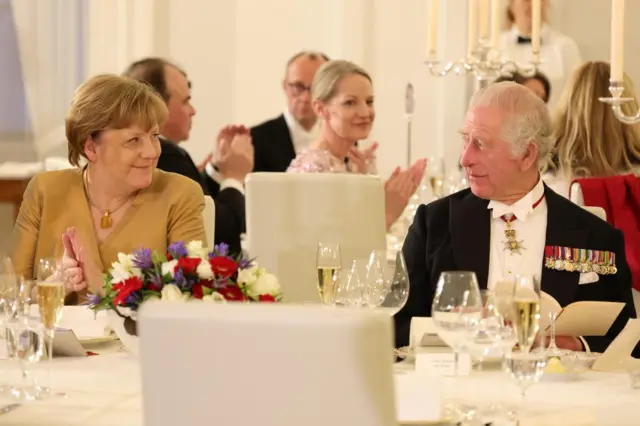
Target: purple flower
(178,250)
(245,262)
(142,258)
(133,299)
(94,299)
(156,279)
(221,249)
(181,281)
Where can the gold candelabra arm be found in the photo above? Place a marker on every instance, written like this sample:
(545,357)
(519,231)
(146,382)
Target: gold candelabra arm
(616,101)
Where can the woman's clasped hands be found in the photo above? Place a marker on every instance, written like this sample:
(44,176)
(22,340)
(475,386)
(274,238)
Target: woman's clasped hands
(399,188)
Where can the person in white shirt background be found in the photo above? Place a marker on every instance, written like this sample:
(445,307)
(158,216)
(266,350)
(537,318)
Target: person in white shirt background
(559,53)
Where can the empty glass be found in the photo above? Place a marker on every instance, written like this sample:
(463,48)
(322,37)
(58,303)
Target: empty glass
(396,279)
(350,289)
(25,341)
(328,264)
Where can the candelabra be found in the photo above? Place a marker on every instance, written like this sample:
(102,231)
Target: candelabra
(616,101)
(484,64)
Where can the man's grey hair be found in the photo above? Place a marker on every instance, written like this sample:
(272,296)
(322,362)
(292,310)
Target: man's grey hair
(527,120)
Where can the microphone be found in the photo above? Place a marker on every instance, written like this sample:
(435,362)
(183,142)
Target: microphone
(409,99)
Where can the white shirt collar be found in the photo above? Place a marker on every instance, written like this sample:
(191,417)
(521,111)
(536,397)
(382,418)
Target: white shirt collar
(295,126)
(521,208)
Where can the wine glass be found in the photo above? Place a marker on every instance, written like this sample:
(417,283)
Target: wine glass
(375,285)
(349,289)
(25,339)
(8,290)
(457,297)
(526,302)
(526,368)
(328,263)
(50,297)
(396,280)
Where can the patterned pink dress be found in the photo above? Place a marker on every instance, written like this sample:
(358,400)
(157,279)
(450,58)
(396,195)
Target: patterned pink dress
(320,160)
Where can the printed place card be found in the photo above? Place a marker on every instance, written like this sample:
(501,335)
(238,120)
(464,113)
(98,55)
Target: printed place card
(440,363)
(418,398)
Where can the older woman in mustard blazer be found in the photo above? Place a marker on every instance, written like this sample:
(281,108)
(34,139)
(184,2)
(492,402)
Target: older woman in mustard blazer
(116,203)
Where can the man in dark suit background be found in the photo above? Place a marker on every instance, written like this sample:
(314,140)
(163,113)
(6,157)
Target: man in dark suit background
(506,135)
(224,182)
(278,140)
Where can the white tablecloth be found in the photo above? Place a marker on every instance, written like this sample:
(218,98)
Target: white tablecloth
(104,390)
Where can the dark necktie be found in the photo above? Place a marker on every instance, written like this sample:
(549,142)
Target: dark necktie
(524,40)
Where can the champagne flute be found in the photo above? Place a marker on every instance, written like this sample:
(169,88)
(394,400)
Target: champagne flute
(526,301)
(8,305)
(50,296)
(328,263)
(525,368)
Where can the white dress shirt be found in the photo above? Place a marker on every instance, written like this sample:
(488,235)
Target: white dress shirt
(223,182)
(300,136)
(559,54)
(531,227)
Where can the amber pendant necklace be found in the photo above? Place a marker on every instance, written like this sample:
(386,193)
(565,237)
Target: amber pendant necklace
(106,221)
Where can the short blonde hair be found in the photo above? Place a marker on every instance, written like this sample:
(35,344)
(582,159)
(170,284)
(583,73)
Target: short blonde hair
(589,139)
(109,101)
(326,80)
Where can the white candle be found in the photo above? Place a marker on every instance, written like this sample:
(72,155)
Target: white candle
(536,11)
(617,40)
(484,18)
(473,26)
(432,42)
(496,23)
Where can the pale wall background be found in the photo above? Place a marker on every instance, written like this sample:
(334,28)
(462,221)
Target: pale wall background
(234,52)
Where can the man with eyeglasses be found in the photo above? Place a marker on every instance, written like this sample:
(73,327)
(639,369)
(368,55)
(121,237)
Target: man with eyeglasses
(277,141)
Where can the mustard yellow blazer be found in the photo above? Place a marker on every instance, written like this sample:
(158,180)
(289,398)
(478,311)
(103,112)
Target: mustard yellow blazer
(169,210)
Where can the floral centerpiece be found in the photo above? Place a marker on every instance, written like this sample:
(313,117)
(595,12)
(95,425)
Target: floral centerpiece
(188,272)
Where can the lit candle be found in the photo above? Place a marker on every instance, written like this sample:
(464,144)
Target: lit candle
(617,40)
(432,42)
(473,26)
(484,18)
(496,23)
(535,30)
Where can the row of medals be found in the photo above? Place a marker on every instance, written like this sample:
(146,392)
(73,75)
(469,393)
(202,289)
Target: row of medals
(580,266)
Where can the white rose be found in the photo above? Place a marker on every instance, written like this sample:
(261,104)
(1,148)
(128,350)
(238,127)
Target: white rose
(152,297)
(123,269)
(214,297)
(246,276)
(204,270)
(195,249)
(168,267)
(172,293)
(265,284)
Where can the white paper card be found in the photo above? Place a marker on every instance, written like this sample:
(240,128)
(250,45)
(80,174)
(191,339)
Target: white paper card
(83,321)
(65,343)
(418,398)
(442,363)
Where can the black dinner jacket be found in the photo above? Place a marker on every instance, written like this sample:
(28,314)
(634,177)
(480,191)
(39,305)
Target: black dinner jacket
(273,145)
(453,233)
(229,203)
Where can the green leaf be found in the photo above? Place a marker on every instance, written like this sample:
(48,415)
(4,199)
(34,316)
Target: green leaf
(206,291)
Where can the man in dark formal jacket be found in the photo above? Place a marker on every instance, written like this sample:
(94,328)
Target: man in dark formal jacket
(509,223)
(224,182)
(278,140)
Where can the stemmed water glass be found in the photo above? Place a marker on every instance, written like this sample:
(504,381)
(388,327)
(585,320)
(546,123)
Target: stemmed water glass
(396,280)
(328,264)
(25,339)
(50,297)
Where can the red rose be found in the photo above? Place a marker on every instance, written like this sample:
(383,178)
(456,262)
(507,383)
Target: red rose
(223,267)
(206,283)
(125,288)
(196,291)
(266,298)
(232,293)
(189,265)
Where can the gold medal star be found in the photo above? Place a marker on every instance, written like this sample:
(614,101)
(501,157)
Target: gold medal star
(514,246)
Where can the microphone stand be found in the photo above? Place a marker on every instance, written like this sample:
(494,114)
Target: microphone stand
(409,108)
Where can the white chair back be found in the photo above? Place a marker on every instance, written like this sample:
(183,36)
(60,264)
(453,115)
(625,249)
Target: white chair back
(288,214)
(598,211)
(265,364)
(209,218)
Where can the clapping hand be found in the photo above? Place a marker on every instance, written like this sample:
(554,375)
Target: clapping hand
(361,161)
(234,157)
(72,262)
(399,188)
